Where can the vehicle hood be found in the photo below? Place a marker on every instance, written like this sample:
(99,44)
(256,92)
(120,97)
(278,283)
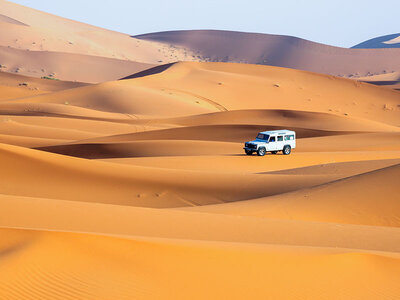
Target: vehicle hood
(257,142)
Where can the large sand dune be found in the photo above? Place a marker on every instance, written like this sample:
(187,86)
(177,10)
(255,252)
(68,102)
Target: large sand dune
(139,188)
(32,30)
(59,65)
(38,44)
(283,51)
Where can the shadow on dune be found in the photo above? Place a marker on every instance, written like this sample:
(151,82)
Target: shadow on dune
(383,82)
(148,72)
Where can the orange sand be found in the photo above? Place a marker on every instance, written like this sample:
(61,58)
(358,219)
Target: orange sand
(139,188)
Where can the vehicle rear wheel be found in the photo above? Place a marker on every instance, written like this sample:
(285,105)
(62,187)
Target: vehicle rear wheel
(274,152)
(261,151)
(248,152)
(287,150)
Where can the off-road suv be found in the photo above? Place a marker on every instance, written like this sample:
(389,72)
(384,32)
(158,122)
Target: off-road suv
(272,141)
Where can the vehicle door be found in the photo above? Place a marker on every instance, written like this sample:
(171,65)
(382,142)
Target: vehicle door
(272,144)
(279,142)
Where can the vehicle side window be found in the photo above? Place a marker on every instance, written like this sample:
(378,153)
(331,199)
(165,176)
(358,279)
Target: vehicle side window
(280,138)
(272,139)
(289,137)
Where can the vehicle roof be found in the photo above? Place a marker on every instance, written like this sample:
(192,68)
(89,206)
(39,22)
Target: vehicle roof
(283,131)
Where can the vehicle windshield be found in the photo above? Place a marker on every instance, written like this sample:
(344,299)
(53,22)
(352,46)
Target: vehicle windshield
(262,136)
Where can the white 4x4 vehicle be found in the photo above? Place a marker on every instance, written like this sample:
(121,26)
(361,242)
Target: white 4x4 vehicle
(272,141)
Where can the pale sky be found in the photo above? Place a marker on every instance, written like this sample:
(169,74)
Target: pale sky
(343,23)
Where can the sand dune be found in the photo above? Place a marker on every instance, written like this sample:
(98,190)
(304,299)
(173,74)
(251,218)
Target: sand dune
(47,32)
(130,185)
(267,85)
(35,84)
(227,87)
(158,269)
(55,43)
(14,86)
(139,188)
(387,41)
(282,51)
(361,199)
(389,80)
(37,44)
(63,66)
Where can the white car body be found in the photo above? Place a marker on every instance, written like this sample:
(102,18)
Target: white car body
(272,141)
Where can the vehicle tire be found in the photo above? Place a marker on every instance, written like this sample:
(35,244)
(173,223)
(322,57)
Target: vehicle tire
(261,151)
(287,150)
(274,152)
(248,152)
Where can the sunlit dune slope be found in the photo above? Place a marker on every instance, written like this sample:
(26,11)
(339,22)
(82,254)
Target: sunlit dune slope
(15,86)
(239,86)
(196,88)
(66,66)
(37,44)
(29,29)
(36,84)
(96,267)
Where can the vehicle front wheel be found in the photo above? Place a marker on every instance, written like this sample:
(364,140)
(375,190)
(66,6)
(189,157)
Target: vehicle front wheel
(287,150)
(261,151)
(248,152)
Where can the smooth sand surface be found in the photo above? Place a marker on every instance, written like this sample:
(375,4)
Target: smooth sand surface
(140,189)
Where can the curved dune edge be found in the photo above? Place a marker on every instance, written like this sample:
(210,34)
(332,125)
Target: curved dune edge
(125,222)
(370,198)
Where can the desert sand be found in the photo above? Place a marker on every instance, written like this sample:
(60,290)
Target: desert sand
(139,188)
(120,179)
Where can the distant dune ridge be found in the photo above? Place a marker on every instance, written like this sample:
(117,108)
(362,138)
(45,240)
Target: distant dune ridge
(387,41)
(129,181)
(283,51)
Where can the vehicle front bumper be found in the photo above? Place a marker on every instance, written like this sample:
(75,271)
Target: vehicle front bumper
(250,149)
